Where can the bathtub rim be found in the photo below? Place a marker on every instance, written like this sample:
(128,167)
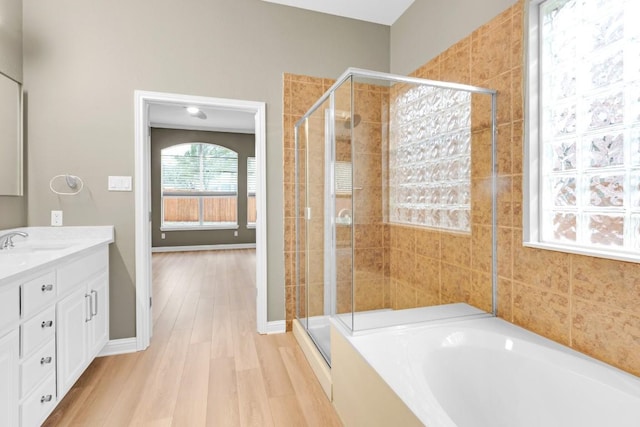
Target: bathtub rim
(441,314)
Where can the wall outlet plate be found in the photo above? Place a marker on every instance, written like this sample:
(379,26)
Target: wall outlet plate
(56,218)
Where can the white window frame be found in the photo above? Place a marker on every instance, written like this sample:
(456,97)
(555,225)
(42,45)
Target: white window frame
(532,203)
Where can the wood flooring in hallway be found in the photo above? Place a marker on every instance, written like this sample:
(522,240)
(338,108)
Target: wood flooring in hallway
(206,365)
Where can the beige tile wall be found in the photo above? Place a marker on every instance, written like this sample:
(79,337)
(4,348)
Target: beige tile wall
(430,267)
(590,304)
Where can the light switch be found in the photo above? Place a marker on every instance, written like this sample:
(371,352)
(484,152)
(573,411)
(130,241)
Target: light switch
(119,183)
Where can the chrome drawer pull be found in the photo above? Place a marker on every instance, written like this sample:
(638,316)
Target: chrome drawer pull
(46,398)
(46,288)
(45,360)
(47,324)
(95,301)
(90,312)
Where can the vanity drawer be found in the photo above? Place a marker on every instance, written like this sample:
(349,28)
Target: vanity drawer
(37,293)
(9,307)
(39,404)
(37,366)
(38,330)
(79,271)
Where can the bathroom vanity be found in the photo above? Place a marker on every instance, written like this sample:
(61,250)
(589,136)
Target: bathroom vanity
(54,316)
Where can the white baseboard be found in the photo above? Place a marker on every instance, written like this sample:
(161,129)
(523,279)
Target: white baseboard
(204,247)
(120,346)
(276,327)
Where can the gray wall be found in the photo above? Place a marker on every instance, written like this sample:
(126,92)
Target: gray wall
(13,210)
(11,38)
(84,59)
(243,144)
(429,27)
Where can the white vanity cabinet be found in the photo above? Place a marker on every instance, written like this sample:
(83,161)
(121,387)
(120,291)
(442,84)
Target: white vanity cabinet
(9,354)
(82,315)
(8,372)
(54,320)
(82,329)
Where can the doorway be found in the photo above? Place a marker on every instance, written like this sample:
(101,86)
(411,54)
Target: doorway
(144,101)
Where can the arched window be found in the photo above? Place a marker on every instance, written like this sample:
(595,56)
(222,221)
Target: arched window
(199,186)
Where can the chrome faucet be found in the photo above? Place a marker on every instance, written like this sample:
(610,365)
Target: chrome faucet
(6,240)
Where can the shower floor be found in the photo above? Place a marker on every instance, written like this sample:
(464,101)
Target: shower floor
(319,333)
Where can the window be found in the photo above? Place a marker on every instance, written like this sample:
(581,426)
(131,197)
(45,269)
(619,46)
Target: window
(199,186)
(430,158)
(584,127)
(251,192)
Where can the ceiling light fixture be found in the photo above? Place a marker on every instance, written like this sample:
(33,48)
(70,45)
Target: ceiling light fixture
(196,112)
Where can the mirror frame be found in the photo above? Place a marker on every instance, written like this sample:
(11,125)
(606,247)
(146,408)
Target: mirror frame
(11,143)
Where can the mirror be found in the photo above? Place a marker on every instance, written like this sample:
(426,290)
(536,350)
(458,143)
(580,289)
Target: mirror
(10,137)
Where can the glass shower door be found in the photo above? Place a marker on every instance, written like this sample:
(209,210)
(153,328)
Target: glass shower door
(317,271)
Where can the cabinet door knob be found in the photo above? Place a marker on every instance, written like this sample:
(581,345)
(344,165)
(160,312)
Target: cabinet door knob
(46,288)
(46,398)
(45,360)
(47,324)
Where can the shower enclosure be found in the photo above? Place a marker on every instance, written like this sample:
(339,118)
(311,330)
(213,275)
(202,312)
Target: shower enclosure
(395,202)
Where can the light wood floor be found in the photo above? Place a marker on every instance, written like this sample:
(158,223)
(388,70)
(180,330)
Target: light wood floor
(206,366)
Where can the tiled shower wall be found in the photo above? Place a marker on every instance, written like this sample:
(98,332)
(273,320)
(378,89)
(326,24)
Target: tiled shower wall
(431,266)
(590,304)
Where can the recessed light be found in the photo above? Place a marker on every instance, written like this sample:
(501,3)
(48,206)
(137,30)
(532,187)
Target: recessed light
(193,110)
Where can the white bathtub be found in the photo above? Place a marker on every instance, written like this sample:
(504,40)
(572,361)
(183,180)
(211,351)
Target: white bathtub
(488,372)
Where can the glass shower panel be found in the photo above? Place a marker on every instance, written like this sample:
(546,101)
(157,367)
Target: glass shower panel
(422,158)
(343,201)
(370,113)
(317,281)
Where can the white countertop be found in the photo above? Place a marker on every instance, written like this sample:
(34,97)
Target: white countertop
(46,246)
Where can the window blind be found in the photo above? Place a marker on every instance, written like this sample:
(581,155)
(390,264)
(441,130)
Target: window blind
(198,168)
(251,176)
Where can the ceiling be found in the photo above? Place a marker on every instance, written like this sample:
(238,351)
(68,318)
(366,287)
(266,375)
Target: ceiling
(378,11)
(175,116)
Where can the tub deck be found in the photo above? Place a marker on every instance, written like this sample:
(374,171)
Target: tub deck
(474,371)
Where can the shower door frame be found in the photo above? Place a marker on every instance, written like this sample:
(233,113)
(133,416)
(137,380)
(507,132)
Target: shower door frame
(330,208)
(357,72)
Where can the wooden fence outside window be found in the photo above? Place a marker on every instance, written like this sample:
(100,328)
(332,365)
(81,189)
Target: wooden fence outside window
(214,209)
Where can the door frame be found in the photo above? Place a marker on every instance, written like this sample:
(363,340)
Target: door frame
(143,100)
